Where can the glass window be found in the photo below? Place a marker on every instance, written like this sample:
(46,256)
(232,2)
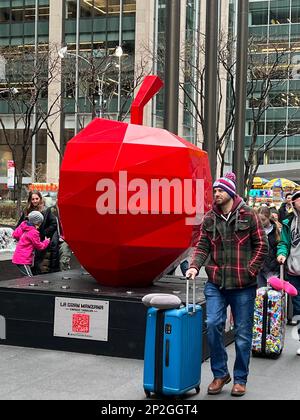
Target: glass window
(41,155)
(273,127)
(86,10)
(67,135)
(260,128)
(17,14)
(269,128)
(294,99)
(5,14)
(71,9)
(20,13)
(113,7)
(279,14)
(12,137)
(293,127)
(276,155)
(258,12)
(17,3)
(5,155)
(278,100)
(90,8)
(295,12)
(29,13)
(293,149)
(295,67)
(44,13)
(259,17)
(129,6)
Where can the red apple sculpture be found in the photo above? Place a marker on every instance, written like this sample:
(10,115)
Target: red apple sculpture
(129,194)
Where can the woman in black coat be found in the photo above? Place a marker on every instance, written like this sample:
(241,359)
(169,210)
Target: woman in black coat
(270,266)
(286,207)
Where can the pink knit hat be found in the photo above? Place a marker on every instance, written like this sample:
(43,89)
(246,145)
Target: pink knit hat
(227,183)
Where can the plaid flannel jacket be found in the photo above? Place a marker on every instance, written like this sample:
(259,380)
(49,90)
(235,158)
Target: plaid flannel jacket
(234,250)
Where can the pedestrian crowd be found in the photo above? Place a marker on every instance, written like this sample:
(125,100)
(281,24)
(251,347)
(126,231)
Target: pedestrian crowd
(242,248)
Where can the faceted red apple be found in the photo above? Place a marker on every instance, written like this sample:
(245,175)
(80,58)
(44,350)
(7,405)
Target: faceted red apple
(127,199)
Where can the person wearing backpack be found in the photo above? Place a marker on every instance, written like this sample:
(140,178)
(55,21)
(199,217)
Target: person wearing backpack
(288,251)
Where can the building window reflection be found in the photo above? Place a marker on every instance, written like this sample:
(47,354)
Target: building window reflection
(98,8)
(20,12)
(276,41)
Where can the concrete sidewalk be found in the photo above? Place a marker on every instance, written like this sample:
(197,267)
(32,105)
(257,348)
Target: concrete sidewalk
(35,374)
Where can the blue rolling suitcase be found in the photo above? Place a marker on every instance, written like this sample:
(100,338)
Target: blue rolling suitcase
(173,349)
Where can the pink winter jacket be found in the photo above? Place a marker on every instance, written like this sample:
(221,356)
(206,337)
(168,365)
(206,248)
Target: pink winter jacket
(29,240)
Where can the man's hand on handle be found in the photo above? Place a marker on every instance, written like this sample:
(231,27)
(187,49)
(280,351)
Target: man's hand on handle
(191,273)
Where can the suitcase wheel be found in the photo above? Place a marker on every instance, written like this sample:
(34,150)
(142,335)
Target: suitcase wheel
(197,389)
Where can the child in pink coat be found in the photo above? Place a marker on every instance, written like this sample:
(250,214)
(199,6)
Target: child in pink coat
(29,239)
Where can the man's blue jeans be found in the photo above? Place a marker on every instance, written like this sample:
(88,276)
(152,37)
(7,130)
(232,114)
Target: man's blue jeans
(241,302)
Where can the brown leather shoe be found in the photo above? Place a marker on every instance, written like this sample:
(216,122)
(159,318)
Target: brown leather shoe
(217,385)
(238,390)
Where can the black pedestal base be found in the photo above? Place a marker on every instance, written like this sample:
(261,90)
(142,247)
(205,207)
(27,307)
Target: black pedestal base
(27,308)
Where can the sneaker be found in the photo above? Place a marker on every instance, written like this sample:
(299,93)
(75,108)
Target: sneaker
(298,352)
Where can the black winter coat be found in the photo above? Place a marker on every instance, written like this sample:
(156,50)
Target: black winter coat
(282,212)
(270,264)
(49,225)
(46,261)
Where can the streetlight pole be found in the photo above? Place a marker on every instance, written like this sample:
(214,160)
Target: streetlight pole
(241,95)
(172,65)
(120,55)
(77,67)
(34,118)
(211,65)
(100,89)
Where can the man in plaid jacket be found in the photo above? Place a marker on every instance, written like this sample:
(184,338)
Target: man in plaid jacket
(232,245)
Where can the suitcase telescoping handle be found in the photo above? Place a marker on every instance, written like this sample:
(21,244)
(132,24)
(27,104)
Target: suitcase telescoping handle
(281,276)
(188,295)
(281,272)
(284,295)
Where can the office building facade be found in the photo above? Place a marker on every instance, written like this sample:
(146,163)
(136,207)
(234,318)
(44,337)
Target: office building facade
(94,28)
(274,32)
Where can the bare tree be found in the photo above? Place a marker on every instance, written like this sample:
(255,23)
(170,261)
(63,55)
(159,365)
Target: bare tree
(266,83)
(27,78)
(194,81)
(267,75)
(98,83)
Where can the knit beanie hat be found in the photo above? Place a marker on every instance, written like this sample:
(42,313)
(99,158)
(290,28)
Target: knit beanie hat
(227,183)
(295,196)
(35,218)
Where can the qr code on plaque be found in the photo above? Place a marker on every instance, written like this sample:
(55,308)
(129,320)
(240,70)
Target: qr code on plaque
(81,323)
